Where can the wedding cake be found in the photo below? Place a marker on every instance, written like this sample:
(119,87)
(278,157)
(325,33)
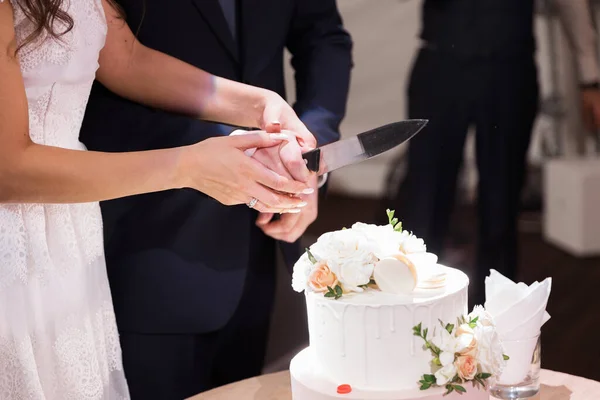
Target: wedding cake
(386,321)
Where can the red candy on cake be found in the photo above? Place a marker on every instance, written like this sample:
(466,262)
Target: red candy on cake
(344,389)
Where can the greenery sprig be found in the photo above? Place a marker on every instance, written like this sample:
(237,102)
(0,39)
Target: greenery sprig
(366,285)
(311,258)
(429,380)
(393,221)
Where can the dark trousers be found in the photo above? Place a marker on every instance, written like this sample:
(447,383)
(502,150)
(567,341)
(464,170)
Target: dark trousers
(175,367)
(499,98)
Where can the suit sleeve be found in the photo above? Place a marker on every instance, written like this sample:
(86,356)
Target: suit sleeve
(322,60)
(576,18)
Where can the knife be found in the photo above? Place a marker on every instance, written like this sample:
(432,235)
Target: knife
(361,147)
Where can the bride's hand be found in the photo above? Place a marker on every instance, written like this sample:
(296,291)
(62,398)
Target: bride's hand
(219,168)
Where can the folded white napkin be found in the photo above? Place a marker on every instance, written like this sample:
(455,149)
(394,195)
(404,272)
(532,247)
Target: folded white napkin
(519,312)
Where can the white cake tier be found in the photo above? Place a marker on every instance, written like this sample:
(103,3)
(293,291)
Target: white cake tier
(309,383)
(366,339)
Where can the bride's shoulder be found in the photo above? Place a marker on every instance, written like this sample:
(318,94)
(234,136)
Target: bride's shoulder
(18,13)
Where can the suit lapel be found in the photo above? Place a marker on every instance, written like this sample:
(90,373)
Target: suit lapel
(213,15)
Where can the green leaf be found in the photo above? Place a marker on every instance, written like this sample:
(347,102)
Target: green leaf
(417,330)
(473,322)
(338,290)
(449,389)
(425,332)
(331,293)
(393,221)
(484,375)
(506,358)
(311,258)
(449,328)
(429,378)
(460,389)
(425,386)
(436,361)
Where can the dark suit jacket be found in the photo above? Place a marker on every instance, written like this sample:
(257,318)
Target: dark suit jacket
(177,260)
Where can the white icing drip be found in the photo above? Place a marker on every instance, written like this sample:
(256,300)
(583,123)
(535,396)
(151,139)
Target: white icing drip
(377,326)
(343,332)
(366,346)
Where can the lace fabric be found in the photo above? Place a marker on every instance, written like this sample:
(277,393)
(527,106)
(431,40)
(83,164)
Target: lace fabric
(58,336)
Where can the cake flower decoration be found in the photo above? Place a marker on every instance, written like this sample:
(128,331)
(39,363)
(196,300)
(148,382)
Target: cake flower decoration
(346,261)
(468,351)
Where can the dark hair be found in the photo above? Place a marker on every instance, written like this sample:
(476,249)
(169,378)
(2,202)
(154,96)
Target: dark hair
(45,13)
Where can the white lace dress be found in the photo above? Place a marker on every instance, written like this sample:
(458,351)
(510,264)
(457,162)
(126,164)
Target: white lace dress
(58,337)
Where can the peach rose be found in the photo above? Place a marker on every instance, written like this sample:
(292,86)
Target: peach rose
(466,367)
(321,277)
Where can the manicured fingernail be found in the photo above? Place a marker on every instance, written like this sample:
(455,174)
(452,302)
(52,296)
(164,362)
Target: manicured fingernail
(303,204)
(308,191)
(279,136)
(293,211)
(276,122)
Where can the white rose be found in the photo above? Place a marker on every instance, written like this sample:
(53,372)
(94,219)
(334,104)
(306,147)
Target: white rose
(447,342)
(484,318)
(350,255)
(466,338)
(446,358)
(490,352)
(385,240)
(302,270)
(353,273)
(343,245)
(445,374)
(412,244)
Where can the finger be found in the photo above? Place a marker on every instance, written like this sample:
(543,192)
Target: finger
(283,225)
(274,181)
(275,201)
(273,127)
(254,140)
(305,138)
(264,209)
(264,218)
(291,157)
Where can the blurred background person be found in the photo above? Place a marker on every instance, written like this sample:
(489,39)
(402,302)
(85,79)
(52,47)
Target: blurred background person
(577,19)
(476,68)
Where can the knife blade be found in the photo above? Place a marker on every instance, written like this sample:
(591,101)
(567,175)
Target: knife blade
(361,147)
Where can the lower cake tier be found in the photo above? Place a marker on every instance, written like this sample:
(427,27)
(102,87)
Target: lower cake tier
(309,383)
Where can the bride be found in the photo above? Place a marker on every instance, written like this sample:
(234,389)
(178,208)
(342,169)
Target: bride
(58,338)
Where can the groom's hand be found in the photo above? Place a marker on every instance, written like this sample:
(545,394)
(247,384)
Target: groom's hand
(285,159)
(290,227)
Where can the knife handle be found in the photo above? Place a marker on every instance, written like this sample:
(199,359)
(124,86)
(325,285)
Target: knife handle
(312,159)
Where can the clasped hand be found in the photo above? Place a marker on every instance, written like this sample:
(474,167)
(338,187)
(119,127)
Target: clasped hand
(286,160)
(275,176)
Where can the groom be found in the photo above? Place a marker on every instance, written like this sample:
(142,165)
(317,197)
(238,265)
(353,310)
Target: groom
(193,281)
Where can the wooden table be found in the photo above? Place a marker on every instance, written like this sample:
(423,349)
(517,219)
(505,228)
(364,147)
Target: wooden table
(555,386)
